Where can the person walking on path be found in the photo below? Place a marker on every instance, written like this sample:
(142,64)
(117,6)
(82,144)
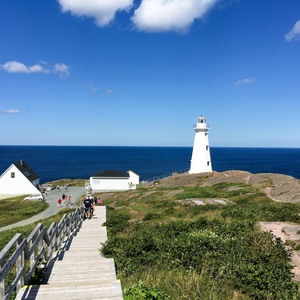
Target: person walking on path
(59,202)
(69,200)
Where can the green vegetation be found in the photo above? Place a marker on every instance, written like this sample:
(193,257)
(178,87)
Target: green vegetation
(7,235)
(15,209)
(69,182)
(166,248)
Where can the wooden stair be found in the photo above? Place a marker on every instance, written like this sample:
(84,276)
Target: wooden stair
(79,271)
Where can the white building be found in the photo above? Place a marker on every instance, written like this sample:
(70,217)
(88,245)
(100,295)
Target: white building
(19,179)
(201,161)
(112,180)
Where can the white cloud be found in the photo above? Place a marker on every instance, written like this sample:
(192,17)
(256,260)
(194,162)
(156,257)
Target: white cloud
(247,80)
(294,32)
(62,69)
(93,88)
(168,15)
(17,67)
(38,69)
(109,92)
(14,67)
(102,10)
(11,111)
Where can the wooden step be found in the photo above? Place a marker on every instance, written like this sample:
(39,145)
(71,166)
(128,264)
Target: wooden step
(110,290)
(79,270)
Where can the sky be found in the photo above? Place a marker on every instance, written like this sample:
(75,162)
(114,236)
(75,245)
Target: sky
(140,72)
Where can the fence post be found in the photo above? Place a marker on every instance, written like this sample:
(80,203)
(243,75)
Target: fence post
(20,263)
(2,283)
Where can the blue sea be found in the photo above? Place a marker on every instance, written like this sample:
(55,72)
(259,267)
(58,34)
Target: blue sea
(58,162)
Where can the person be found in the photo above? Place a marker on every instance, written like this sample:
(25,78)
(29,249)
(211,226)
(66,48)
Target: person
(93,205)
(87,205)
(59,202)
(99,201)
(95,201)
(63,197)
(69,200)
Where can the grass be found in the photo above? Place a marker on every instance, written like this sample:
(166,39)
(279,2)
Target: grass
(7,235)
(16,209)
(174,250)
(69,182)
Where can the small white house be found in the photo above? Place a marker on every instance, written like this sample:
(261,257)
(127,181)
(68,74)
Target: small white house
(113,180)
(19,179)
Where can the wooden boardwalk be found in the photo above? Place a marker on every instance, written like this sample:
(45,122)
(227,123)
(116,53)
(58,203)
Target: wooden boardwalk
(79,271)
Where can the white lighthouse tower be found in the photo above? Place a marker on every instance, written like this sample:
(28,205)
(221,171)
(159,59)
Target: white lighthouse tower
(200,161)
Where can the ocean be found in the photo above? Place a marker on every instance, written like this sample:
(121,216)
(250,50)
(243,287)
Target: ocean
(58,162)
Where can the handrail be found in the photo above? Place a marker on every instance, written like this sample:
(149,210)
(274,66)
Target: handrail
(38,248)
(154,178)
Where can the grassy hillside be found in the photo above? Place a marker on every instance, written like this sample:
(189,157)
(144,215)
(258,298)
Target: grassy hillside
(15,209)
(191,237)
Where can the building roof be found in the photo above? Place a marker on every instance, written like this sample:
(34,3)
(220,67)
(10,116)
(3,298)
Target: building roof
(134,172)
(26,170)
(111,173)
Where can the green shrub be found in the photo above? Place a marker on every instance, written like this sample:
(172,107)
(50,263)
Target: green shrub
(151,216)
(253,261)
(142,291)
(264,212)
(116,222)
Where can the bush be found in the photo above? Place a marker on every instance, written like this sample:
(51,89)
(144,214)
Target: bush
(151,216)
(264,212)
(141,291)
(253,261)
(116,221)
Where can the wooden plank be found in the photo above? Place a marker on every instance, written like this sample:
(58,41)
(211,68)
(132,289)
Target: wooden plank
(79,271)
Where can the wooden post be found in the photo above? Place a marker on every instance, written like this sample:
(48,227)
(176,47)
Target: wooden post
(20,263)
(2,283)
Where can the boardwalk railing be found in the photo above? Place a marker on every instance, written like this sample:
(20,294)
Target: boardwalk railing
(33,252)
(169,174)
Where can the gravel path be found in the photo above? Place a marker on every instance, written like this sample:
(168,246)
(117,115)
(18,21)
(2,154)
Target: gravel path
(51,198)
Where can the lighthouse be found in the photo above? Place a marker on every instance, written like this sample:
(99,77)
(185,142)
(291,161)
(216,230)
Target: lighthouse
(200,161)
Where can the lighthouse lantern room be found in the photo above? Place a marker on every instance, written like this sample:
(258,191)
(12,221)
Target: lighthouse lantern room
(201,161)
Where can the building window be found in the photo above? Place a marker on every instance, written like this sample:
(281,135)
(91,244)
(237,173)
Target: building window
(205,134)
(206,147)
(208,163)
(12,174)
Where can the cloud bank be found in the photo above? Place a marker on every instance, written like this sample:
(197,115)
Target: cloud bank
(294,33)
(17,67)
(102,10)
(245,81)
(11,111)
(151,15)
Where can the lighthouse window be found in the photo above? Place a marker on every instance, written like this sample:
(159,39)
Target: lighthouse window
(206,147)
(208,163)
(12,174)
(205,134)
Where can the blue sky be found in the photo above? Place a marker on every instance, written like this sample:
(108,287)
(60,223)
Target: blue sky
(139,73)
